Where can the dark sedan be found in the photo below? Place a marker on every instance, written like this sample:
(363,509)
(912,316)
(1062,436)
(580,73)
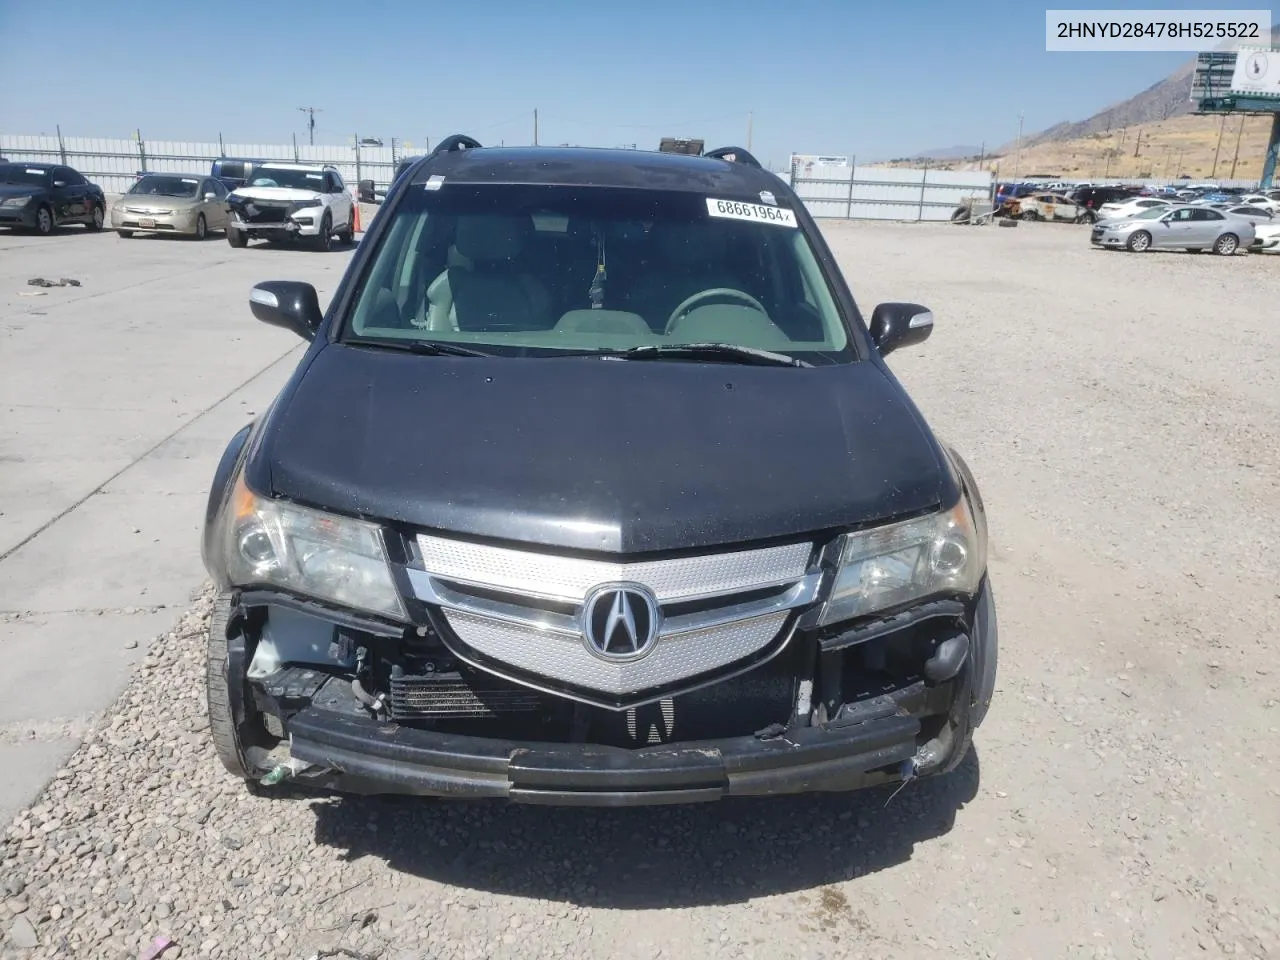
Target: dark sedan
(43,196)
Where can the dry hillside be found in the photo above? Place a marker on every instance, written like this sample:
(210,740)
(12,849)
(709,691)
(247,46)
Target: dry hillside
(1161,148)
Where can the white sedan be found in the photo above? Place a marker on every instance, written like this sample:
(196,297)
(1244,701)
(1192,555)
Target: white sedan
(1258,200)
(1121,209)
(1266,238)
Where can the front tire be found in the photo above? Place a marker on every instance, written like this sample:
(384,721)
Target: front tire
(347,235)
(1088,217)
(324,239)
(125,234)
(44,221)
(1226,245)
(202,227)
(235,743)
(96,219)
(237,238)
(1139,242)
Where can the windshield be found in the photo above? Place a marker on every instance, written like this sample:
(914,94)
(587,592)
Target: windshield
(162,186)
(17,173)
(520,270)
(293,179)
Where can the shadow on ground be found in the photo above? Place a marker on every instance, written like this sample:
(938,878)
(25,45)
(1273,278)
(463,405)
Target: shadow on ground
(649,857)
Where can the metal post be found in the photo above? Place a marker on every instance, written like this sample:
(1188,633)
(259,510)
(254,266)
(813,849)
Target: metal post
(848,207)
(295,148)
(1017,157)
(357,158)
(142,150)
(1272,154)
(924,179)
(62,148)
(535,126)
(1221,129)
(1239,134)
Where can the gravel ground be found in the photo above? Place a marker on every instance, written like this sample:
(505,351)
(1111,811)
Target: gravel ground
(1120,413)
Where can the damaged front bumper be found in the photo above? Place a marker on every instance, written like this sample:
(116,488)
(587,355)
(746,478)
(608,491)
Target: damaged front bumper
(832,712)
(360,755)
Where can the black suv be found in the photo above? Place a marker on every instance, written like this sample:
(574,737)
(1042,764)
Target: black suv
(594,488)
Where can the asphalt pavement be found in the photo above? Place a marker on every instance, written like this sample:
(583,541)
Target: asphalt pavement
(117,397)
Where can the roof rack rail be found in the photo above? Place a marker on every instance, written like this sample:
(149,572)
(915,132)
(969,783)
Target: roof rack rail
(734,155)
(459,141)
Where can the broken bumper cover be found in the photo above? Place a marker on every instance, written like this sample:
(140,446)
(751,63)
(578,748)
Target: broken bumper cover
(363,756)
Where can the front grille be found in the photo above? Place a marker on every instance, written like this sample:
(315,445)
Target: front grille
(265,214)
(525,614)
(443,695)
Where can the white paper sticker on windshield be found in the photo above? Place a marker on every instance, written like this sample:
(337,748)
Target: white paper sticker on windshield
(737,210)
(38,173)
(315,176)
(189,180)
(434,182)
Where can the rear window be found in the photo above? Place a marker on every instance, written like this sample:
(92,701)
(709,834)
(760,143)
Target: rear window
(520,270)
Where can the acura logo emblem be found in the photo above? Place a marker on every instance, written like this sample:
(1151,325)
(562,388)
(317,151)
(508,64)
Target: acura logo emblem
(620,621)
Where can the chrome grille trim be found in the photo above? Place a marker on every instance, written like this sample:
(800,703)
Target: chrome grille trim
(529,616)
(564,659)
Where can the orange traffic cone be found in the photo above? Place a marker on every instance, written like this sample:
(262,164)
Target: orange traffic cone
(355,213)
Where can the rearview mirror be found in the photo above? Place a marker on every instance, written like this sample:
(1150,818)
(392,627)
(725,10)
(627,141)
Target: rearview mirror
(366,190)
(289,304)
(895,325)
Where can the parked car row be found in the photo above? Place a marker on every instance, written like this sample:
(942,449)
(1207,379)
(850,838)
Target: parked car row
(272,200)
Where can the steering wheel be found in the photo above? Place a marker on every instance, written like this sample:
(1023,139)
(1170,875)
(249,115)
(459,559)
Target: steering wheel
(728,292)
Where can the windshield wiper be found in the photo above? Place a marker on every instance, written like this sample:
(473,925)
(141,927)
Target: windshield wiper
(430,348)
(707,351)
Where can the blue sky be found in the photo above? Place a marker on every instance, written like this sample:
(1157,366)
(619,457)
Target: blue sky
(875,80)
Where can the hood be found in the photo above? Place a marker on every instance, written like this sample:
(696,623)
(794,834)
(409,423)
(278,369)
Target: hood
(593,454)
(276,193)
(152,201)
(21,190)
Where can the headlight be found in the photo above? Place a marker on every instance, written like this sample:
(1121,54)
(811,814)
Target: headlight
(17,201)
(886,567)
(308,552)
(303,204)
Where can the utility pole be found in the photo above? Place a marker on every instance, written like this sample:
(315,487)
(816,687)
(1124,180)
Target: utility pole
(1017,159)
(750,117)
(1239,134)
(535,126)
(311,122)
(1221,129)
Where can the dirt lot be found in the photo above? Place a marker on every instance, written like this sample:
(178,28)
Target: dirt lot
(1122,800)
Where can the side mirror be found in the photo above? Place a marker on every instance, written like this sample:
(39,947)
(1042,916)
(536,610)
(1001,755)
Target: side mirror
(59,183)
(366,191)
(210,195)
(895,325)
(289,304)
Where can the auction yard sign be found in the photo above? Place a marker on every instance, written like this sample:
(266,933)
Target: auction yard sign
(1257,72)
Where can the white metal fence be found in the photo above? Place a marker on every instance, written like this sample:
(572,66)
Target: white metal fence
(884,193)
(113,164)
